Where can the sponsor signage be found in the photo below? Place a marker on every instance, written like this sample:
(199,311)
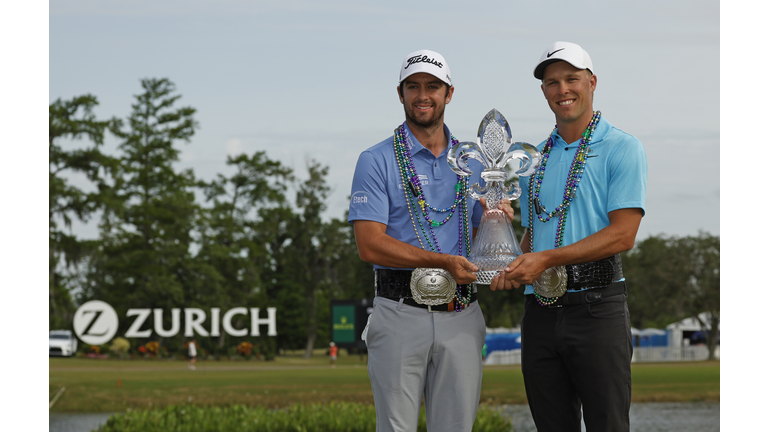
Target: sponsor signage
(344,323)
(348,319)
(96,322)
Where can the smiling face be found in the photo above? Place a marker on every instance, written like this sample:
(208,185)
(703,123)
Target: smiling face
(424,98)
(569,92)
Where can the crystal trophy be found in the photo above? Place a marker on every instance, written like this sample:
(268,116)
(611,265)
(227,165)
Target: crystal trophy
(495,244)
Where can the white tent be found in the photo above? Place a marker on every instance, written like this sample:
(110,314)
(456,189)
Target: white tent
(689,324)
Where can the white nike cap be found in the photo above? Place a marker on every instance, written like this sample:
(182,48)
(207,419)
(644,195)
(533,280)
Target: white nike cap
(426,61)
(563,51)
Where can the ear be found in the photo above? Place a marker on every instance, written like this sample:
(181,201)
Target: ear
(400,95)
(593,82)
(449,96)
(542,90)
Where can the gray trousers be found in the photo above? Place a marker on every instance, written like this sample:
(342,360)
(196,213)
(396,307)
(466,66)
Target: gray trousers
(414,353)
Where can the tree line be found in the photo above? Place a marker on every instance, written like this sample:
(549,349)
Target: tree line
(168,239)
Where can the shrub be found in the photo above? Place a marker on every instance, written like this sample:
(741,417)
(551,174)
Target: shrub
(153,347)
(333,417)
(245,348)
(267,348)
(120,346)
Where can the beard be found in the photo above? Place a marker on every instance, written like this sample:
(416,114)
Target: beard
(425,121)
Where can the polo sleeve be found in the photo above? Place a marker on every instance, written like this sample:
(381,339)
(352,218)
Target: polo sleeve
(369,199)
(628,176)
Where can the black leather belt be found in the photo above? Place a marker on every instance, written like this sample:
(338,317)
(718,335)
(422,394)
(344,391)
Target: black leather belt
(594,274)
(593,295)
(396,285)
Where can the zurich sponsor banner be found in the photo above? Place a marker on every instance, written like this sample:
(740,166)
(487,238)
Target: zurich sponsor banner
(96,322)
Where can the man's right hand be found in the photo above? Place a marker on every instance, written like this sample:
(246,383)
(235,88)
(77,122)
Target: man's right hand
(461,269)
(505,205)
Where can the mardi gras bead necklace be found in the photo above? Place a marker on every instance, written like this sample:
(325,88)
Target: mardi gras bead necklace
(417,201)
(575,173)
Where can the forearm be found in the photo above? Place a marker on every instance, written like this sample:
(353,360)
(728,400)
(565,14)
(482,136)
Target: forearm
(602,244)
(377,247)
(387,251)
(617,237)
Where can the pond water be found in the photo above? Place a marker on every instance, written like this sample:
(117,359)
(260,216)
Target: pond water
(643,417)
(76,422)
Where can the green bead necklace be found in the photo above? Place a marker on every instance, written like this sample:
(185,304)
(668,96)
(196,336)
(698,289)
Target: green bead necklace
(575,174)
(416,200)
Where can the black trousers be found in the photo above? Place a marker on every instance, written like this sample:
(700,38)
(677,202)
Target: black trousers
(578,356)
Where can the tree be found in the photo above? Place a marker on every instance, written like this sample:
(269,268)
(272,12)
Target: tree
(702,293)
(672,278)
(229,236)
(352,277)
(144,258)
(311,251)
(71,119)
(654,270)
(309,256)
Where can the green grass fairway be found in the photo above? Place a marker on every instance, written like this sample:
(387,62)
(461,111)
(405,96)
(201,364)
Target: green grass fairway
(92,385)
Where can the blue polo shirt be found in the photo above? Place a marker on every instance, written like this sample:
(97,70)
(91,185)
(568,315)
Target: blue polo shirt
(614,178)
(378,194)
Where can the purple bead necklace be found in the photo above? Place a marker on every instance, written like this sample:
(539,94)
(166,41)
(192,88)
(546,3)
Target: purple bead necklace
(575,173)
(571,184)
(417,200)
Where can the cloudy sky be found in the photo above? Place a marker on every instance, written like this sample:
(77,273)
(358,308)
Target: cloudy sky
(316,80)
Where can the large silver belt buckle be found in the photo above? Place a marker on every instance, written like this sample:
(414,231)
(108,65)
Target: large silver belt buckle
(552,283)
(432,286)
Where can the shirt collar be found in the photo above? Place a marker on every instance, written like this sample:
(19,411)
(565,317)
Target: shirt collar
(415,146)
(603,126)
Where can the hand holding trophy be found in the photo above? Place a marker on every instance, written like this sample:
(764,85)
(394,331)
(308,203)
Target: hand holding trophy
(495,245)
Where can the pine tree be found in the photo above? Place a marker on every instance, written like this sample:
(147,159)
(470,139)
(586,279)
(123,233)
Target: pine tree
(71,120)
(146,230)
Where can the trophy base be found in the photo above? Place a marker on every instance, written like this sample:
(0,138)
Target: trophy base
(485,277)
(490,266)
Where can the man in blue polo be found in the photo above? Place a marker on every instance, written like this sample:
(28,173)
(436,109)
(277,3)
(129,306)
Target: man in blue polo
(413,219)
(583,208)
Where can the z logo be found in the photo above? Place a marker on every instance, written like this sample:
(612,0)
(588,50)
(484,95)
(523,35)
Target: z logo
(95,322)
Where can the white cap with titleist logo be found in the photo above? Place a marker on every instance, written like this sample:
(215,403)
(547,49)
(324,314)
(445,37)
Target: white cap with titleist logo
(563,51)
(426,61)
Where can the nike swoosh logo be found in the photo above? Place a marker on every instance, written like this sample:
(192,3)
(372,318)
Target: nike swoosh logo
(550,54)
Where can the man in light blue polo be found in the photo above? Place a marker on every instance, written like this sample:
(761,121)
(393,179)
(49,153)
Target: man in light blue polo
(414,220)
(581,208)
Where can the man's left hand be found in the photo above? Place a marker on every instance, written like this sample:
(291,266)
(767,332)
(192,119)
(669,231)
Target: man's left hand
(522,271)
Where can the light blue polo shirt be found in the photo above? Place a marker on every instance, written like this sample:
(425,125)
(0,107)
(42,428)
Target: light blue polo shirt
(614,178)
(378,194)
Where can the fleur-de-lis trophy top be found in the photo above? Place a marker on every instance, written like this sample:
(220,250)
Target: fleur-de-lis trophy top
(494,149)
(496,244)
